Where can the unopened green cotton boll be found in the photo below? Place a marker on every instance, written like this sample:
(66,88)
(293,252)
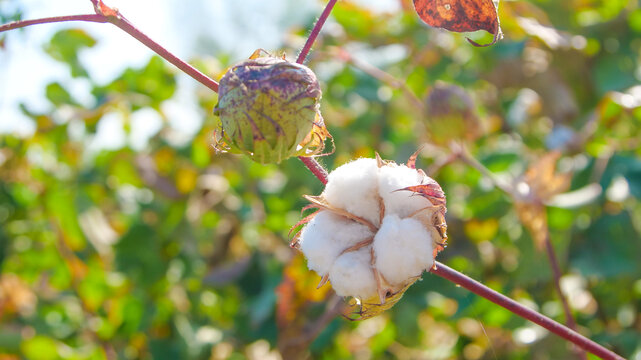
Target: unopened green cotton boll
(269,110)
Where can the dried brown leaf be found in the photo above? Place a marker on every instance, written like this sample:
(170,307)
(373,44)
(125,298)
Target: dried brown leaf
(543,182)
(431,191)
(534,218)
(535,187)
(461,16)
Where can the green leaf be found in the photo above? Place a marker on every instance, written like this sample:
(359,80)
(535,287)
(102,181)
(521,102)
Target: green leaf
(61,206)
(138,255)
(58,95)
(65,46)
(40,348)
(155,81)
(627,166)
(608,248)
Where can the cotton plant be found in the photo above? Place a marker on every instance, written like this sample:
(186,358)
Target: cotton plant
(377,227)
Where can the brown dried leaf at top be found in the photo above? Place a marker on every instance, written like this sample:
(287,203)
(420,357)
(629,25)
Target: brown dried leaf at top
(461,16)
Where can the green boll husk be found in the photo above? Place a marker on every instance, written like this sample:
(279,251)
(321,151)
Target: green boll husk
(270,110)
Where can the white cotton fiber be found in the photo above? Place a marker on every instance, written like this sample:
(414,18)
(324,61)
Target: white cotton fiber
(401,203)
(403,249)
(401,246)
(326,236)
(352,187)
(352,275)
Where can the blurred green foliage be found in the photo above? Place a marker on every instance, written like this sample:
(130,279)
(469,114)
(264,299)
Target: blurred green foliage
(171,251)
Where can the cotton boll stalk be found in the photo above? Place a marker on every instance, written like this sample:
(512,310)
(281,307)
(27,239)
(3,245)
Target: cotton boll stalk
(326,236)
(351,274)
(353,188)
(403,249)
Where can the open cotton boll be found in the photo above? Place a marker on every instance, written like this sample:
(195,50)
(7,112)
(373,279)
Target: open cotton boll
(326,236)
(352,275)
(401,203)
(403,249)
(361,255)
(352,187)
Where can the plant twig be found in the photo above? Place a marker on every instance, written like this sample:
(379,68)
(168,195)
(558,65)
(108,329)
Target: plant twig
(106,14)
(315,31)
(114,17)
(524,312)
(317,169)
(24,23)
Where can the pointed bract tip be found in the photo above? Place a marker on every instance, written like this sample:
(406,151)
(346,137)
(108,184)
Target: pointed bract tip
(323,281)
(379,160)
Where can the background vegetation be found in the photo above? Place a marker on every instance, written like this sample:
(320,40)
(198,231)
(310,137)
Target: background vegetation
(169,251)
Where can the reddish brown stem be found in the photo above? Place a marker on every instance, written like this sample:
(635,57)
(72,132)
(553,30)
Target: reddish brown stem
(315,31)
(524,312)
(23,23)
(317,169)
(107,14)
(127,27)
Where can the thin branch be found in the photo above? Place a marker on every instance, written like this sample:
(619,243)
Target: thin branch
(106,14)
(127,27)
(524,312)
(24,23)
(315,31)
(114,17)
(317,169)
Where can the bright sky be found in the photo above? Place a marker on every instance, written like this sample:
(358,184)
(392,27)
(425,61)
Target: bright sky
(188,29)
